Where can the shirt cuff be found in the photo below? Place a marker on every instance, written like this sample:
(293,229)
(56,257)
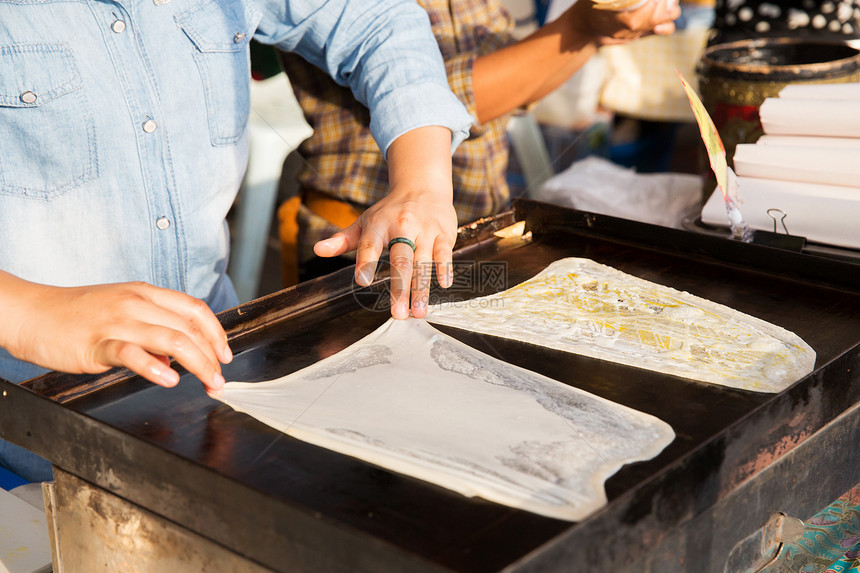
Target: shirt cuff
(414,106)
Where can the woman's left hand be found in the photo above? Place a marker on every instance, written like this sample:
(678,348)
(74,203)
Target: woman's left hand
(419,211)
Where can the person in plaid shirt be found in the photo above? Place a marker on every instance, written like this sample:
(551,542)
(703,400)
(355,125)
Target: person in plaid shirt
(343,172)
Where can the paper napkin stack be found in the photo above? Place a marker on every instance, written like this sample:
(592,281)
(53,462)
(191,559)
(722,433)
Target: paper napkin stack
(805,170)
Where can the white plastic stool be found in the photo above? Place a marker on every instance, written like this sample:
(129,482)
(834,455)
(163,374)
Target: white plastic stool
(24,543)
(277,126)
(529,146)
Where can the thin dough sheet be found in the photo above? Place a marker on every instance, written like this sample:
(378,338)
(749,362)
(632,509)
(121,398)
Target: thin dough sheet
(580,306)
(416,401)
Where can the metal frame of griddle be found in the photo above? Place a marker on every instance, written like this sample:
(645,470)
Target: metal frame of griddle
(627,530)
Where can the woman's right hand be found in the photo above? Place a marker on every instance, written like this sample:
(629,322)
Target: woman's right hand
(90,329)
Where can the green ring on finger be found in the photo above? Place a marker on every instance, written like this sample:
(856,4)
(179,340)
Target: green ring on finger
(403,240)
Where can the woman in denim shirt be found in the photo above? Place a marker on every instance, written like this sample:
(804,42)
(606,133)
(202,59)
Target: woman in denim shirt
(123,142)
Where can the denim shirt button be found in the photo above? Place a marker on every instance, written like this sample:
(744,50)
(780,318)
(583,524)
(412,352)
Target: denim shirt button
(162,223)
(149,126)
(118,26)
(28,97)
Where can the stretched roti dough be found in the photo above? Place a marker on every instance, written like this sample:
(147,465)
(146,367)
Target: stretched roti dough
(579,306)
(416,401)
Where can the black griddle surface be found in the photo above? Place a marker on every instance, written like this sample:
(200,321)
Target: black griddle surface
(445,528)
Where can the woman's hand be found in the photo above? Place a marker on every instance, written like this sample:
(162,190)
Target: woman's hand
(418,208)
(93,328)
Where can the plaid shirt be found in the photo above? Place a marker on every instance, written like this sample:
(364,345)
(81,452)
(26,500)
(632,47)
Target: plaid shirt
(342,160)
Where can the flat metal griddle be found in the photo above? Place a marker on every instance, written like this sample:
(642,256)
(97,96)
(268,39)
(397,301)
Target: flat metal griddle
(286,504)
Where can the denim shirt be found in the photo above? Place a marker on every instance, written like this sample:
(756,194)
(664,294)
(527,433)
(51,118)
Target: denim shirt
(123,125)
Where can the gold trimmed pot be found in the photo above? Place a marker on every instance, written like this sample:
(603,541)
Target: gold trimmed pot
(736,77)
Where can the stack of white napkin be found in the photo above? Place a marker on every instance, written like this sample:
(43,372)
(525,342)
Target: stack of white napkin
(805,170)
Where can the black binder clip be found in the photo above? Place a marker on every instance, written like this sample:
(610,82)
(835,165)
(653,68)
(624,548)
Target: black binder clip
(776,239)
